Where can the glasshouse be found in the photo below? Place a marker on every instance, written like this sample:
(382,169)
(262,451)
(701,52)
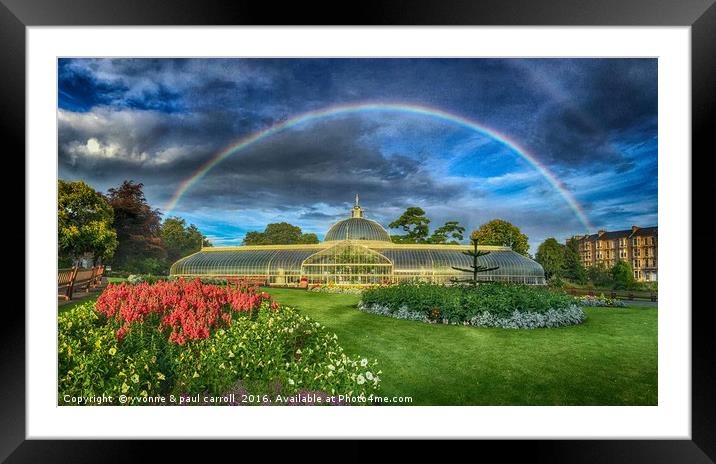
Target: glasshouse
(356,251)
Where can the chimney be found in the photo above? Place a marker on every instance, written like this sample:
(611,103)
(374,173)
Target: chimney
(634,229)
(601,232)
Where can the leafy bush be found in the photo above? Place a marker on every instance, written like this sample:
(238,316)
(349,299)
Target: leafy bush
(489,304)
(184,338)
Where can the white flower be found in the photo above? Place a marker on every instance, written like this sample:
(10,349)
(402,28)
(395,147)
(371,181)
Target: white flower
(360,379)
(363,362)
(369,375)
(290,381)
(331,367)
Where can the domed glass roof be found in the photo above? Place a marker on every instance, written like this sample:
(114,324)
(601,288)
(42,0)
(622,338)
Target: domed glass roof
(357,228)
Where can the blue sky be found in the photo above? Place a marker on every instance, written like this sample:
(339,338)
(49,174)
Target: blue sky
(591,122)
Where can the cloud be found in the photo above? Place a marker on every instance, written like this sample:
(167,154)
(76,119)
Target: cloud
(157,121)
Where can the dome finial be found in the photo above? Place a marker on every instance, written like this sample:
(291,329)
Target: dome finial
(357,211)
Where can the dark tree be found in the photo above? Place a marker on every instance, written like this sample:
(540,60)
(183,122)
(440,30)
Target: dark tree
(451,230)
(138,227)
(414,223)
(475,268)
(573,268)
(180,240)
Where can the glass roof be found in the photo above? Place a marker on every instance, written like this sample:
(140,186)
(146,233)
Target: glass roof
(357,228)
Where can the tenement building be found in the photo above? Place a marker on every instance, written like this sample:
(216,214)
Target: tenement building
(638,246)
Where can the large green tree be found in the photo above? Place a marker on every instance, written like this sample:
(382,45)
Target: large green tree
(415,225)
(573,268)
(138,228)
(451,230)
(84,220)
(281,233)
(181,240)
(550,254)
(502,233)
(622,276)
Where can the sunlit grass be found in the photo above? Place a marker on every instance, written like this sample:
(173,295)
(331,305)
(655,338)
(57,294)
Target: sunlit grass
(611,359)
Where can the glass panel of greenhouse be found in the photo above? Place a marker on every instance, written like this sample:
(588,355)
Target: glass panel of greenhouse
(347,264)
(274,266)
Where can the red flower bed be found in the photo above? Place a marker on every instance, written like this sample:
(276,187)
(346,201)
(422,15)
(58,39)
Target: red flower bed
(188,310)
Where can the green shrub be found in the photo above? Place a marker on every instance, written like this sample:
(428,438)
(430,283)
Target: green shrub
(496,302)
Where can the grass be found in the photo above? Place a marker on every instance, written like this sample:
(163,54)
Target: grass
(611,359)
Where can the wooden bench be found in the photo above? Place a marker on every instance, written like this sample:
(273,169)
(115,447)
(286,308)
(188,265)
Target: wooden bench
(65,282)
(84,279)
(97,281)
(69,280)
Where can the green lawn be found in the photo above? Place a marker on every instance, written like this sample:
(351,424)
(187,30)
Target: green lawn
(611,359)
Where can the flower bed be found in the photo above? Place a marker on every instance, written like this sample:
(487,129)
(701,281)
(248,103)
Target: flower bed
(484,305)
(600,301)
(186,338)
(347,289)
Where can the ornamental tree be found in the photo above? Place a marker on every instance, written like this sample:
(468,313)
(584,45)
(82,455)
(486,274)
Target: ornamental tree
(475,268)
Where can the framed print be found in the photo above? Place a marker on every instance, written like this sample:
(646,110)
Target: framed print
(436,222)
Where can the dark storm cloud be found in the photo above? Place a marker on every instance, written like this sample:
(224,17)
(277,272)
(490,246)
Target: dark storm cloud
(326,164)
(594,104)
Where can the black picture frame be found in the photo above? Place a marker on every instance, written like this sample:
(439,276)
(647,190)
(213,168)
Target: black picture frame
(16,15)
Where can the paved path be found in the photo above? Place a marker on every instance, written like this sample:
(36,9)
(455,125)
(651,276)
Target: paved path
(650,304)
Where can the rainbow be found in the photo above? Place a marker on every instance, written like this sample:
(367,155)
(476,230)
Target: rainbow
(367,107)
